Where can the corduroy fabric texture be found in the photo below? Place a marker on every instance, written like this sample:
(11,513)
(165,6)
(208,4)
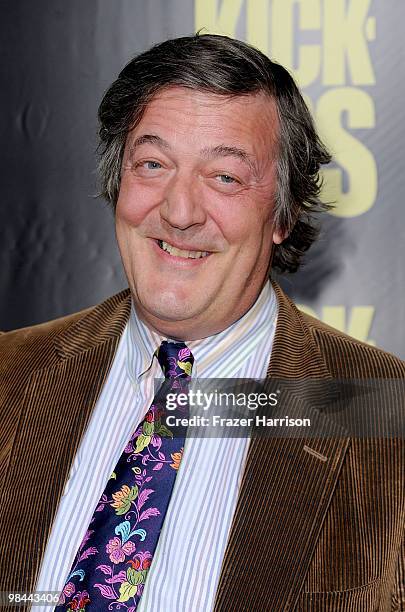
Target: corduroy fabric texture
(319,523)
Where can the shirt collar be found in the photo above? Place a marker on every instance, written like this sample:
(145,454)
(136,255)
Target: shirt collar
(142,343)
(240,338)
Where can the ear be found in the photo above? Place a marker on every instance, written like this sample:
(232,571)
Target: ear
(279,236)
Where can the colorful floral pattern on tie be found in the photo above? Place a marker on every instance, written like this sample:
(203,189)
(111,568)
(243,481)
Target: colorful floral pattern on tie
(114,557)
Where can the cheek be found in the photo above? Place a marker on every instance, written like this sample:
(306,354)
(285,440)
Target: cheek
(244,223)
(134,202)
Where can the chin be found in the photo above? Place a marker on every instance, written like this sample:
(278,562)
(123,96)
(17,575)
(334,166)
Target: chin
(169,306)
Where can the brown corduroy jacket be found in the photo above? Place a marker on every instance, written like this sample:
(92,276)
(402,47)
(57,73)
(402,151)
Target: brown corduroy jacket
(319,523)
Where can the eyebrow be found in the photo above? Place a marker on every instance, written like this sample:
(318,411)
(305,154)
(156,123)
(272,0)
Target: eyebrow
(225,151)
(207,152)
(149,139)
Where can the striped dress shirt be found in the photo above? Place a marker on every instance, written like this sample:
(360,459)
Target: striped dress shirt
(187,562)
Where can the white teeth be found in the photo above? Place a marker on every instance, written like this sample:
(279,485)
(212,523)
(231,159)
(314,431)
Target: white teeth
(180,253)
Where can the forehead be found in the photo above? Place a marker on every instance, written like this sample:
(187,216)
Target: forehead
(187,115)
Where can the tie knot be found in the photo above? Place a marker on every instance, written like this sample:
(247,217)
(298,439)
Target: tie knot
(175,359)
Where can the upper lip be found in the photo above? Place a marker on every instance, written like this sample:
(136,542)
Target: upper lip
(183,247)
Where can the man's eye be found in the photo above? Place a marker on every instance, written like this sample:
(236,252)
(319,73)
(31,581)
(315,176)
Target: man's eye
(226,179)
(151,165)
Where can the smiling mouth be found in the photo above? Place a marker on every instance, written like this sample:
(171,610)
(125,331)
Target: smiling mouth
(165,246)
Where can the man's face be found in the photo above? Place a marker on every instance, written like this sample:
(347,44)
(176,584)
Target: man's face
(194,213)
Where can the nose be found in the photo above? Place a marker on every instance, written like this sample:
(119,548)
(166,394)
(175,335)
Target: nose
(182,207)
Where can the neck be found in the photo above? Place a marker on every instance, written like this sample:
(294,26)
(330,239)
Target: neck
(191,329)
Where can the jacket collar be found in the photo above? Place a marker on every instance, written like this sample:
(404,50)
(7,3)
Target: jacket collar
(104,322)
(293,341)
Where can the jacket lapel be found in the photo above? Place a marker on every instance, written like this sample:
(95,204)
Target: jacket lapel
(57,404)
(286,489)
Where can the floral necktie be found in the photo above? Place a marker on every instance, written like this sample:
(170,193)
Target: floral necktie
(113,560)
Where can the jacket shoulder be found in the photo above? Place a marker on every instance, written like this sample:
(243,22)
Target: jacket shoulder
(35,345)
(14,341)
(347,357)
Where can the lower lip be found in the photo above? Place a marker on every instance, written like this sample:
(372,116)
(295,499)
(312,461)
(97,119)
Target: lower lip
(185,262)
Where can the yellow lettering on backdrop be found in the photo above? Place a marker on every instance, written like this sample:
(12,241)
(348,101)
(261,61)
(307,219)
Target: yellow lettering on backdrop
(221,17)
(346,26)
(218,17)
(348,151)
(345,33)
(359,325)
(283,35)
(257,24)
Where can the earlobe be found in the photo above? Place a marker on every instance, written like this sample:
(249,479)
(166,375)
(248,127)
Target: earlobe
(278,237)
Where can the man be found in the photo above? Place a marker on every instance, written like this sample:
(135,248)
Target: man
(210,160)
